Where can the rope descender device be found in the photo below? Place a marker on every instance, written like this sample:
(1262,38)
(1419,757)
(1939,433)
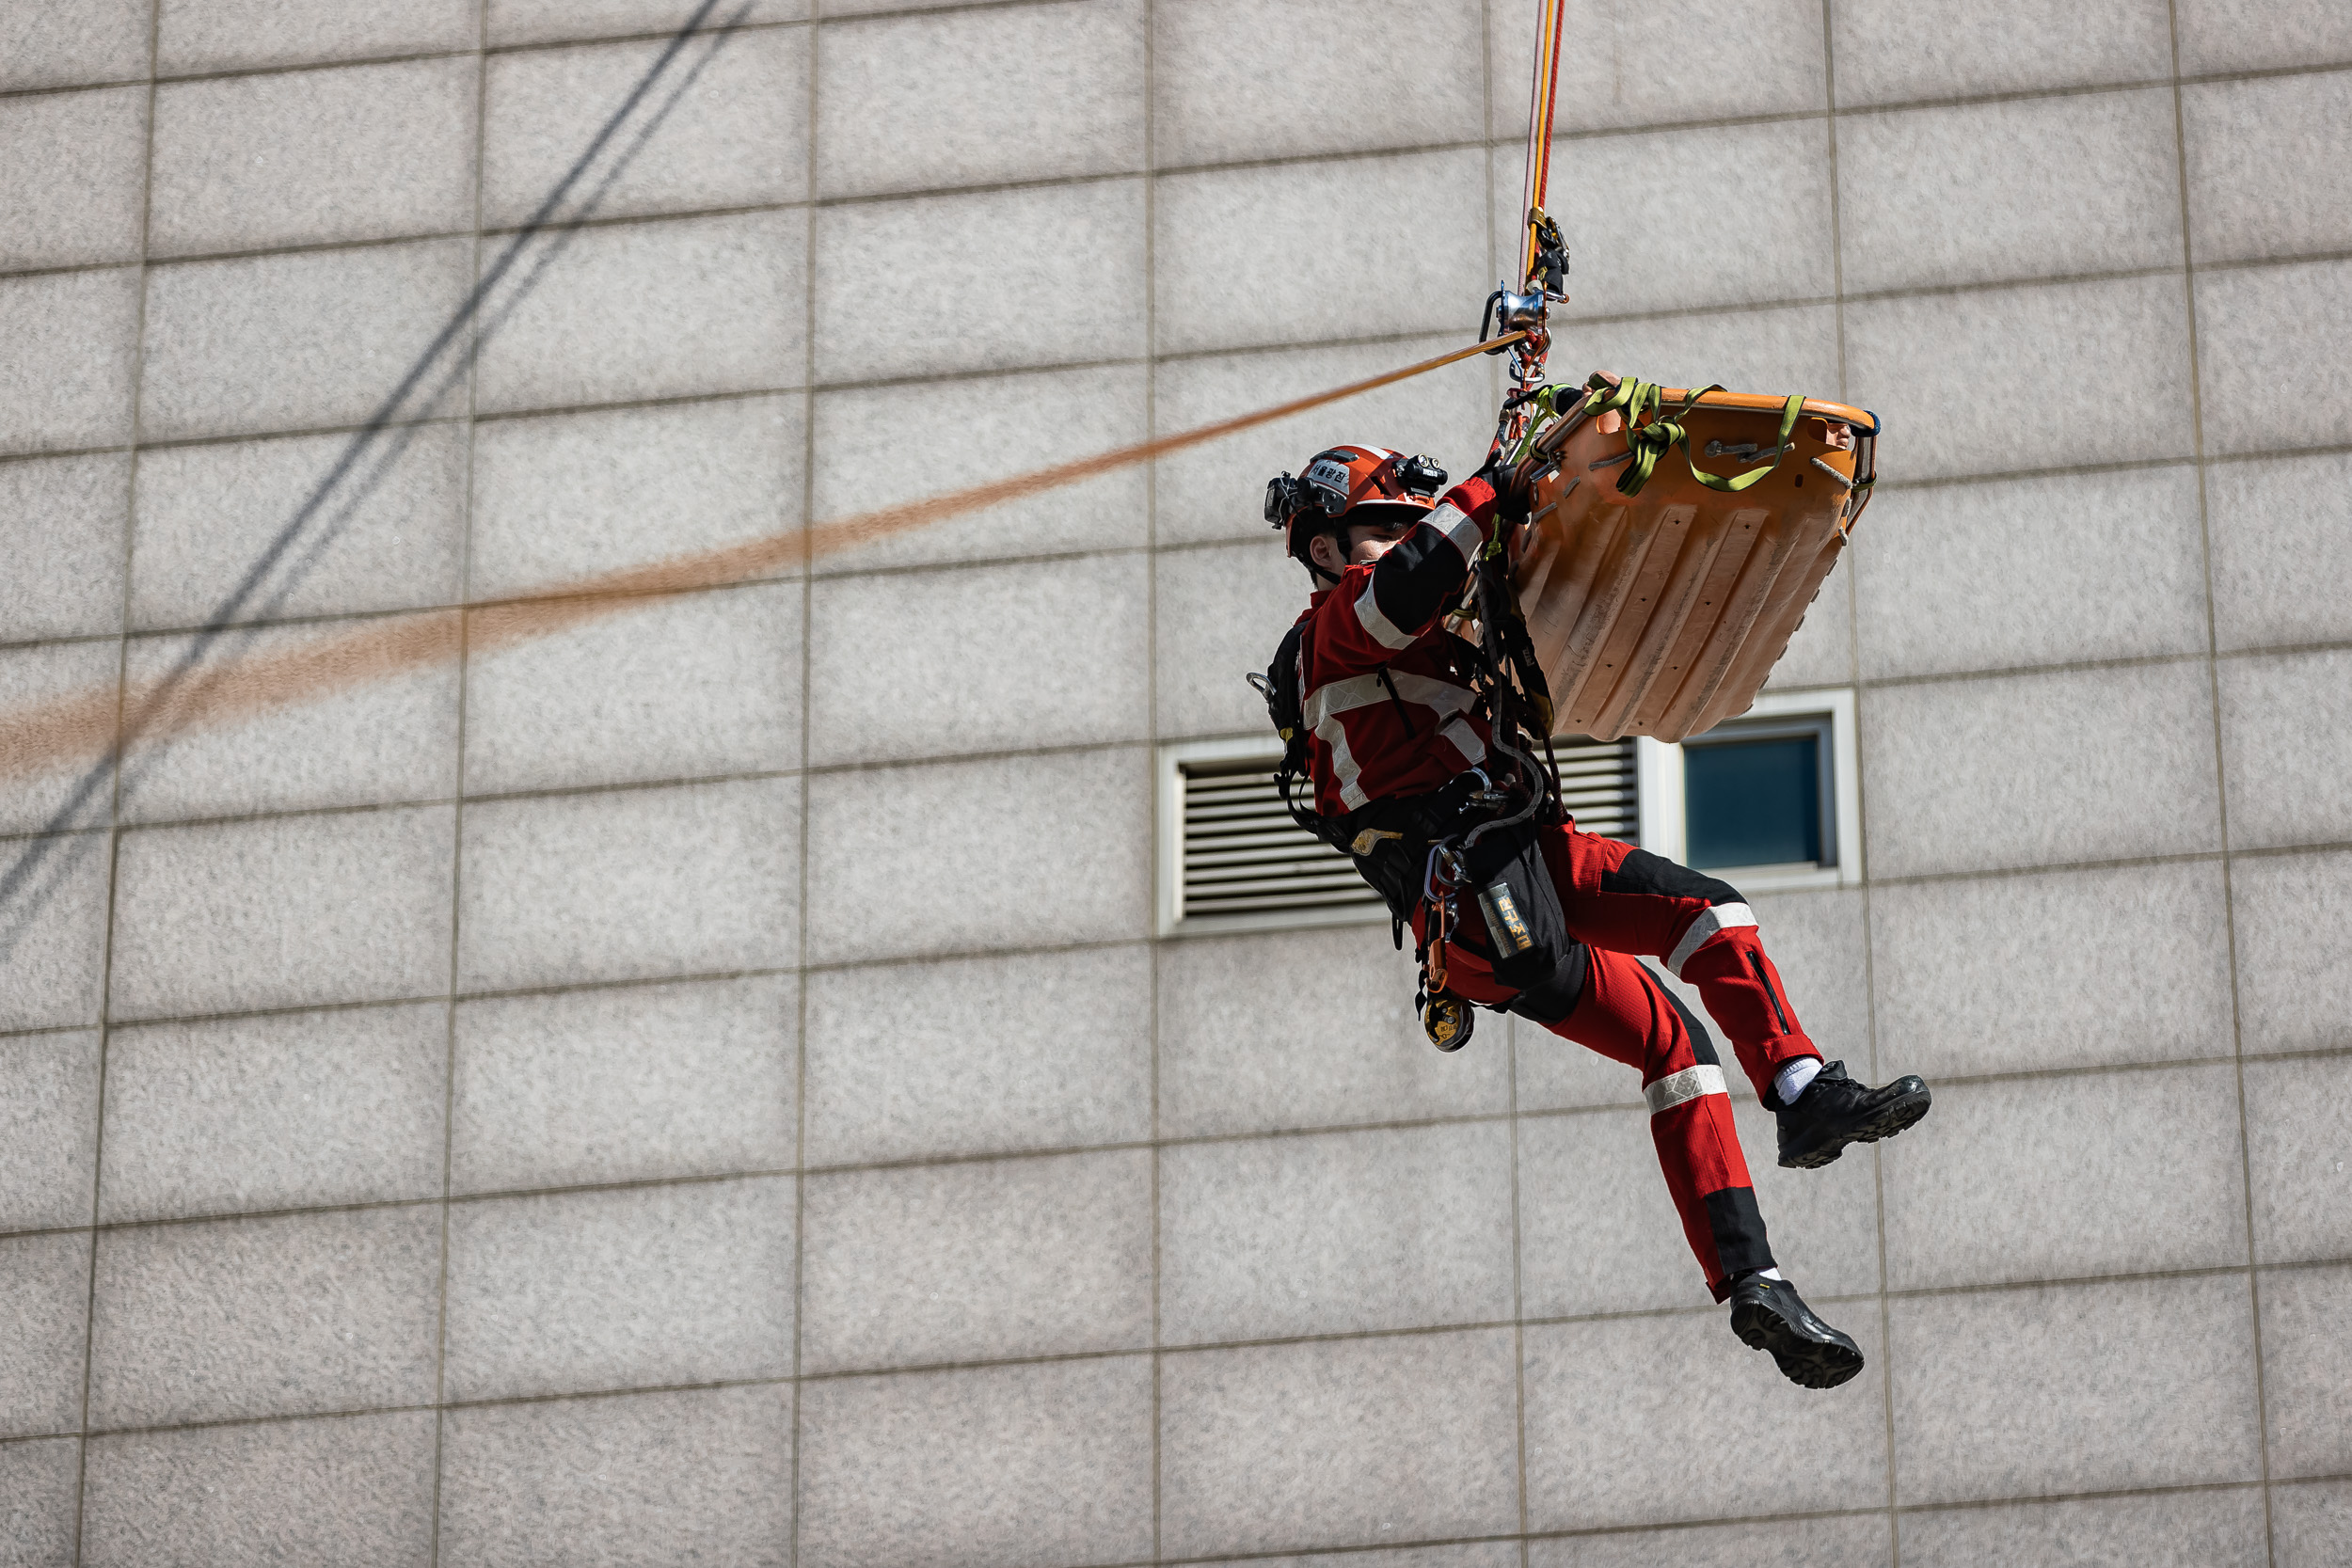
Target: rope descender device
(1543,257)
(1445,1018)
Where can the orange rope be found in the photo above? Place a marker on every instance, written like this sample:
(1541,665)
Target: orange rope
(1546,86)
(81,728)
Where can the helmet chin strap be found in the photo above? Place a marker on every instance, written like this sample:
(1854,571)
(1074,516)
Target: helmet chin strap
(1319,572)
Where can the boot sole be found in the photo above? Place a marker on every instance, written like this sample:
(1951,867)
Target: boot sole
(1896,1115)
(1812,1363)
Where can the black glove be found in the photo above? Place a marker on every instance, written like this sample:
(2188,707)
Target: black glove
(1513,485)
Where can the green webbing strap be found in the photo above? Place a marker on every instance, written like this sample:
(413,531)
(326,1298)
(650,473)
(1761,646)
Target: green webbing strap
(1650,442)
(1545,405)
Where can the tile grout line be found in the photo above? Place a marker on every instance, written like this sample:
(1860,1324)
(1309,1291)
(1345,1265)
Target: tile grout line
(588,222)
(1519,1277)
(694,400)
(1510,1023)
(1061,1152)
(608,41)
(915,1370)
(458,815)
(1151,728)
(1275,1556)
(521,46)
(598,1395)
(538,412)
(330,620)
(417,239)
(926,1369)
(1109,738)
(113,813)
(933,1162)
(1862,793)
(2220,774)
(808,643)
(284,246)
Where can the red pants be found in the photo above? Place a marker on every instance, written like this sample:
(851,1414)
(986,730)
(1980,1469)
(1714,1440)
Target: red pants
(1620,902)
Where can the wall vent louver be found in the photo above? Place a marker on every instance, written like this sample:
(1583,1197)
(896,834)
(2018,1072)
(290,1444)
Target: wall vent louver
(1242,863)
(1597,783)
(1244,855)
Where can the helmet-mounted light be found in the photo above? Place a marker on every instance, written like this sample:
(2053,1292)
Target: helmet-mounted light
(1420,476)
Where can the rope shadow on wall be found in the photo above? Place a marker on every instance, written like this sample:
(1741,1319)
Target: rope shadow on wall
(213,656)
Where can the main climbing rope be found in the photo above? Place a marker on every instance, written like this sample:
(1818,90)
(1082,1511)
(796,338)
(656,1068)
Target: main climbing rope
(1524,306)
(1534,189)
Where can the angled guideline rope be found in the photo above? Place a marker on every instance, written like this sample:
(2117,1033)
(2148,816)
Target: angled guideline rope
(81,725)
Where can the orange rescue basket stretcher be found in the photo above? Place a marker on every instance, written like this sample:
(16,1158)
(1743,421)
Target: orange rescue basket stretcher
(1661,613)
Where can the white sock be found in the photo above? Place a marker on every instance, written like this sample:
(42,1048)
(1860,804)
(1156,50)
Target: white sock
(1789,1080)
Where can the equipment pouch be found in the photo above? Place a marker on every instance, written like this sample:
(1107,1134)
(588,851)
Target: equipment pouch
(1522,929)
(1525,930)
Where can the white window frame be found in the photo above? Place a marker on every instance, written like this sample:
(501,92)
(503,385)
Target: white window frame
(1664,822)
(1168,829)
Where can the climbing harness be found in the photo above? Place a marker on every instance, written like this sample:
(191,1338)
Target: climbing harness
(1473,842)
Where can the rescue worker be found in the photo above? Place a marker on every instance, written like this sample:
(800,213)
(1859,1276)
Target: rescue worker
(1399,750)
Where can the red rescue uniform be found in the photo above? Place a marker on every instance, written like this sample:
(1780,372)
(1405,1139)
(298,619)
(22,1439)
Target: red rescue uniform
(1391,714)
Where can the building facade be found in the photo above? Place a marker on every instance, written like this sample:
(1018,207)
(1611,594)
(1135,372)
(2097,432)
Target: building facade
(715,1083)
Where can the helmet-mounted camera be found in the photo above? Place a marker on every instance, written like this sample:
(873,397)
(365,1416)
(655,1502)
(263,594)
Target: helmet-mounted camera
(1284,497)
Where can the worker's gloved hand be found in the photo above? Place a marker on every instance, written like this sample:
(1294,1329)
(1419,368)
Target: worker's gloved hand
(1513,487)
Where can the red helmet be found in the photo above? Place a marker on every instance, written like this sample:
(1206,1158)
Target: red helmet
(1349,484)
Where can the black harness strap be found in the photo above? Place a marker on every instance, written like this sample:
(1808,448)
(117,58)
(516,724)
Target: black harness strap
(1403,714)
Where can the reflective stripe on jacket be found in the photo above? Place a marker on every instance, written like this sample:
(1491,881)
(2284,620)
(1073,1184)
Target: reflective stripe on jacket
(1386,703)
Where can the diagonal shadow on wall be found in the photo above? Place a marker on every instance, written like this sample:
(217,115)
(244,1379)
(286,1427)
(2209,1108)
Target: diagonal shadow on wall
(46,861)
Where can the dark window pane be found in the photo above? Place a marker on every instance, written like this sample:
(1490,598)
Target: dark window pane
(1752,802)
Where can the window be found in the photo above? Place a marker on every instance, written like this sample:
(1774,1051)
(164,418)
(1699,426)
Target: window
(1765,800)
(1752,796)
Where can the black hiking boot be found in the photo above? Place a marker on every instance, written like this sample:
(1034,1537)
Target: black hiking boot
(1835,1111)
(1767,1314)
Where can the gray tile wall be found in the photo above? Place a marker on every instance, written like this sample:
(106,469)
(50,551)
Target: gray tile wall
(699,1085)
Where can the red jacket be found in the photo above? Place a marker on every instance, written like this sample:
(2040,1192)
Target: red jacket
(1387,709)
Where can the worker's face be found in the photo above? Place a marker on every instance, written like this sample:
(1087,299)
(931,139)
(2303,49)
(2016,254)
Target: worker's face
(1371,541)
(1366,542)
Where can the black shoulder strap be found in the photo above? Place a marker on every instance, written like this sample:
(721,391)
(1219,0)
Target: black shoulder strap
(1286,706)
